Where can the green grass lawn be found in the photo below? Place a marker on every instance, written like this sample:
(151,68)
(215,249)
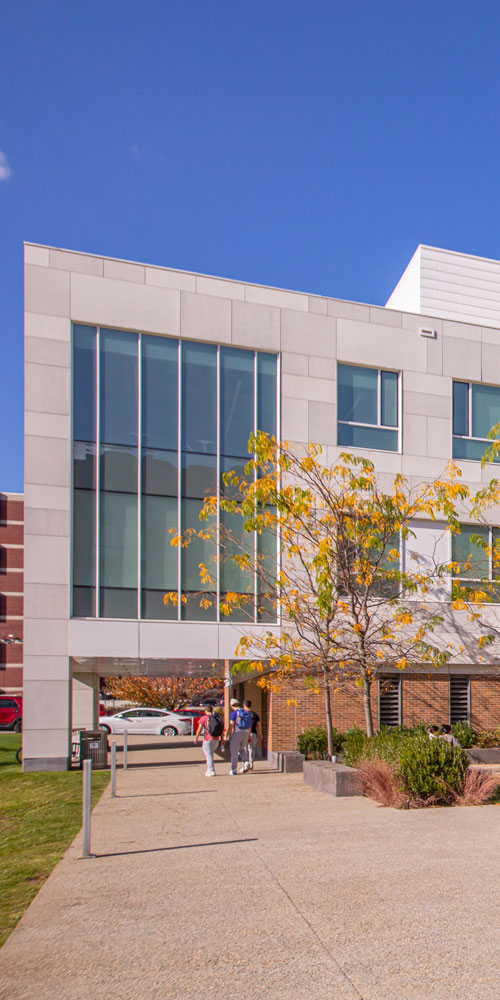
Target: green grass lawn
(40,814)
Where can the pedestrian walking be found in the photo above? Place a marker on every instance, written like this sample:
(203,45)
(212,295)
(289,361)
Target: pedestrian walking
(240,724)
(255,733)
(212,727)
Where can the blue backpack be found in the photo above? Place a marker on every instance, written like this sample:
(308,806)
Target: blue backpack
(243,719)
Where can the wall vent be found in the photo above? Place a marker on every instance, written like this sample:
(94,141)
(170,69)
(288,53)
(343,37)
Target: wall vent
(389,704)
(459,698)
(426,331)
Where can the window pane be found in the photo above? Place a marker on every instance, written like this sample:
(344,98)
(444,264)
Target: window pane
(367,437)
(159,472)
(389,382)
(357,394)
(153,606)
(159,556)
(267,554)
(118,540)
(470,449)
(118,387)
(235,541)
(118,603)
(199,398)
(237,465)
(83,465)
(485,409)
(198,475)
(266,393)
(461,408)
(198,551)
(84,382)
(159,392)
(119,469)
(84,538)
(464,550)
(83,602)
(237,400)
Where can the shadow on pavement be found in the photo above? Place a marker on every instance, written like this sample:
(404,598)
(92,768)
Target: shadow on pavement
(178,847)
(154,795)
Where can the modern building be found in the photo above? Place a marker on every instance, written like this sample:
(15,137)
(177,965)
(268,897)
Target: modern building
(11,592)
(142,386)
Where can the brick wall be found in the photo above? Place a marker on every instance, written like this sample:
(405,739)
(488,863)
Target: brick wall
(485,702)
(425,698)
(291,711)
(11,590)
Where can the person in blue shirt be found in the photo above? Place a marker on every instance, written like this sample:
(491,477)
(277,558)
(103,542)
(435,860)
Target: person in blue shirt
(240,725)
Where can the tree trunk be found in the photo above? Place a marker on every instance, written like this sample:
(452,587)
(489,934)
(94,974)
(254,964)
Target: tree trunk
(328,713)
(367,706)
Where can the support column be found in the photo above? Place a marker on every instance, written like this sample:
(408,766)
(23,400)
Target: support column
(85,702)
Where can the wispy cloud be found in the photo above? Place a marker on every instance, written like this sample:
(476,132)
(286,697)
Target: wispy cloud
(5,170)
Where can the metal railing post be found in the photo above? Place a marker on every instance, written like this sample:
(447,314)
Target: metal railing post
(125,749)
(87,807)
(113,769)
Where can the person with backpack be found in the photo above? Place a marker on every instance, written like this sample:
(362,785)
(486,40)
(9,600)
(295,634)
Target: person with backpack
(240,725)
(212,726)
(255,733)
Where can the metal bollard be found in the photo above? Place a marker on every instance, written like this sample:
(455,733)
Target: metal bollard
(113,769)
(125,749)
(87,808)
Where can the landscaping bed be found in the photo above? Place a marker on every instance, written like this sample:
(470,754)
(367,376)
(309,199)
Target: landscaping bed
(40,814)
(405,768)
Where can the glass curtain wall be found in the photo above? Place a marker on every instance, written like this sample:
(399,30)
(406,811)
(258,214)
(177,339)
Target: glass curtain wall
(84,471)
(167,419)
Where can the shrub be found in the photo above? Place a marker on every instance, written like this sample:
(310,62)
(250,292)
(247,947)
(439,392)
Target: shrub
(386,744)
(431,769)
(313,742)
(478,788)
(464,733)
(354,746)
(379,781)
(488,738)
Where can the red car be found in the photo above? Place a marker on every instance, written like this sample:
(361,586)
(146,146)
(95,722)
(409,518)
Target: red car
(11,712)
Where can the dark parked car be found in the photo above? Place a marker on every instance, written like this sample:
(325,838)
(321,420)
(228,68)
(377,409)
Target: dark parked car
(11,712)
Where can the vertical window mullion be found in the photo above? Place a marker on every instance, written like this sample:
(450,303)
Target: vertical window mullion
(217,486)
(98,476)
(278,438)
(179,479)
(255,536)
(139,476)
(469,409)
(379,398)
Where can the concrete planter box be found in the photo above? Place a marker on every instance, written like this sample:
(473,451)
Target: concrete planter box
(334,779)
(287,761)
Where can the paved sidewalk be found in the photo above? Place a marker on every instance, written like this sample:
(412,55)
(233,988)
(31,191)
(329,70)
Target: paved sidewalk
(259,885)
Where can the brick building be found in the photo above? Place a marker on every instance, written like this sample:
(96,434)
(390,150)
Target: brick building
(11,591)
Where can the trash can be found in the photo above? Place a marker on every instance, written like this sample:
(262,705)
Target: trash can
(94,747)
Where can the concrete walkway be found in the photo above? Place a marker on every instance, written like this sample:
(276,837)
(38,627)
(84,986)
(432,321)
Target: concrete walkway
(258,885)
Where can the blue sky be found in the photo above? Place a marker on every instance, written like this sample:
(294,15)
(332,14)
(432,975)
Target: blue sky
(304,145)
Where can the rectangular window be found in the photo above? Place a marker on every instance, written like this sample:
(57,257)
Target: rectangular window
(476,409)
(367,408)
(156,423)
(389,694)
(477,551)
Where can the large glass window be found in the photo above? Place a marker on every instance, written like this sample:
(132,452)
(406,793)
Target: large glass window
(156,424)
(84,470)
(476,409)
(367,408)
(476,551)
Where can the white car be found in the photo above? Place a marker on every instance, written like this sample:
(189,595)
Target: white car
(147,720)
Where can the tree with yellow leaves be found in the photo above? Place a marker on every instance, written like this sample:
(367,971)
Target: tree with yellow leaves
(345,607)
